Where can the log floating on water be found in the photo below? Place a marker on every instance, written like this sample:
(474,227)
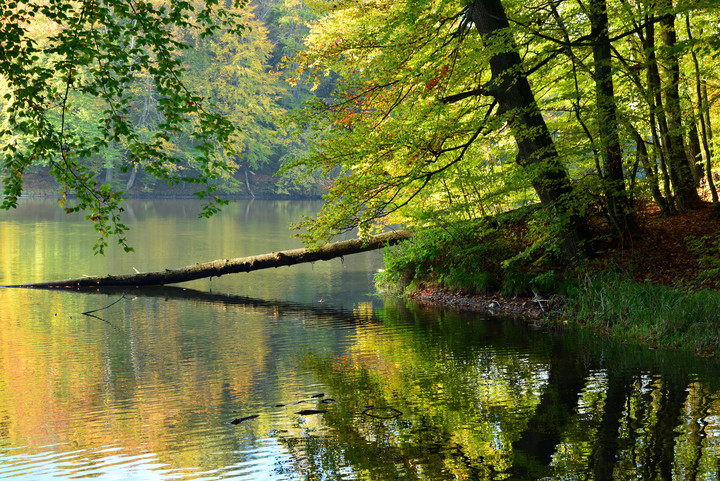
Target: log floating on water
(221,267)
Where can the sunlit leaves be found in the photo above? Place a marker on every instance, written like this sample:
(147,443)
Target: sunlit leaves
(233,74)
(414,134)
(388,123)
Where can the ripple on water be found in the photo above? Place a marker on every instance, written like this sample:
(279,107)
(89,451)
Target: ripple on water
(109,462)
(264,459)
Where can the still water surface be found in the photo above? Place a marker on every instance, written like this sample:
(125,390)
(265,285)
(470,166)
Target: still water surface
(147,388)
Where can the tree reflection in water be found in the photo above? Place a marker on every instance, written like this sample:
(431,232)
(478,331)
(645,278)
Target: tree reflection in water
(482,402)
(165,375)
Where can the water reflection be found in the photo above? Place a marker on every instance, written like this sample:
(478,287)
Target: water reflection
(147,388)
(571,407)
(152,390)
(38,242)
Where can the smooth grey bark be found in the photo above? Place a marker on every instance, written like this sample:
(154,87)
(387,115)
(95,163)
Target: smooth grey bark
(621,217)
(509,86)
(686,194)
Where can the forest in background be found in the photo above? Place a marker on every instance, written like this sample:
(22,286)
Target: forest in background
(240,75)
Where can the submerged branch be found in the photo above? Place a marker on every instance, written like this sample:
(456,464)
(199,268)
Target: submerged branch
(89,313)
(220,267)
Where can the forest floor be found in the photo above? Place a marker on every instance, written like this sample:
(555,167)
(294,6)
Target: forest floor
(662,253)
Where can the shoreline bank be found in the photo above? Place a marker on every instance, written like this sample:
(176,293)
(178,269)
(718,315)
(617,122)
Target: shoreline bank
(530,308)
(642,314)
(659,289)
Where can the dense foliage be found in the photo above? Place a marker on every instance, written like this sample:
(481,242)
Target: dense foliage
(421,112)
(445,114)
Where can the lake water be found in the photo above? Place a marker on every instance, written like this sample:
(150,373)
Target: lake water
(148,385)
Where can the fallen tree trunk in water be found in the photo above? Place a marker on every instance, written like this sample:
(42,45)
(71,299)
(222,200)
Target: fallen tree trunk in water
(221,267)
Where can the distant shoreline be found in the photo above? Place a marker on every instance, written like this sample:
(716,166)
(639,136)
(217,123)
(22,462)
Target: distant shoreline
(51,195)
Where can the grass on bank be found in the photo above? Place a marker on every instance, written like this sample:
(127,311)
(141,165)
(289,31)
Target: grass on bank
(499,258)
(647,314)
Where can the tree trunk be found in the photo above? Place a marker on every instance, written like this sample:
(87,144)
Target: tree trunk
(536,149)
(621,218)
(706,112)
(650,171)
(687,195)
(231,266)
(247,182)
(704,130)
(657,116)
(694,154)
(131,180)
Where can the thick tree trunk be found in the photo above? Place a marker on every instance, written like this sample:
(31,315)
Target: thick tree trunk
(231,266)
(687,195)
(621,217)
(657,116)
(536,149)
(704,129)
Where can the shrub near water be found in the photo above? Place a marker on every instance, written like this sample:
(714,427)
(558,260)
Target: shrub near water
(479,256)
(514,253)
(474,259)
(460,259)
(648,314)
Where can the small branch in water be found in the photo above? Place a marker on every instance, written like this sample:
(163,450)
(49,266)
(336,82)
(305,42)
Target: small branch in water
(103,320)
(90,313)
(309,412)
(243,419)
(385,412)
(87,313)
